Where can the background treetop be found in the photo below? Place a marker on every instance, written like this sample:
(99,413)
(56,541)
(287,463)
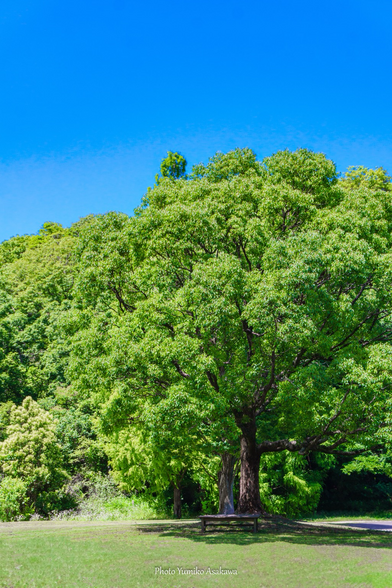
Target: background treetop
(374,179)
(173,167)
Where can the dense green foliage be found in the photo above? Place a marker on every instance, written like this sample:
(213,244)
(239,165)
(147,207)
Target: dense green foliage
(244,311)
(173,166)
(14,502)
(254,295)
(36,283)
(31,452)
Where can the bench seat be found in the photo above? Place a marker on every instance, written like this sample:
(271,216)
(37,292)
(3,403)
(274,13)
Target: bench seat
(229,518)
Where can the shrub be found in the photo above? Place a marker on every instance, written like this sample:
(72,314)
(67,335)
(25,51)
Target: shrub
(14,503)
(289,486)
(53,501)
(30,450)
(99,498)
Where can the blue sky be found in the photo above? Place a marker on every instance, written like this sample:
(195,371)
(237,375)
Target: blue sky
(94,93)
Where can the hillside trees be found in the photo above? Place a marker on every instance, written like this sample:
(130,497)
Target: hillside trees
(261,289)
(35,289)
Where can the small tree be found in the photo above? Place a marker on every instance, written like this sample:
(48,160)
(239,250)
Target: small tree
(30,451)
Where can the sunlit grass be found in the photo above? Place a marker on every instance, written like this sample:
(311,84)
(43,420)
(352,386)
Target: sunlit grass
(123,556)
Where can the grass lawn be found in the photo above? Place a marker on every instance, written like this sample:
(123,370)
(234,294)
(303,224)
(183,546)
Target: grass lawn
(122,555)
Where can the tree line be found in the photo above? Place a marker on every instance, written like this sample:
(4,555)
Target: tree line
(234,331)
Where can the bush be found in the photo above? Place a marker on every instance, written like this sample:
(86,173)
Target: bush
(92,485)
(30,451)
(53,501)
(14,504)
(291,485)
(99,498)
(125,508)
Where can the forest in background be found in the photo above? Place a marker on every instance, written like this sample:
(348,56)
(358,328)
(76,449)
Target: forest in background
(230,340)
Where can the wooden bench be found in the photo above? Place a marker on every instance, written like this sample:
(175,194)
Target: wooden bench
(222,519)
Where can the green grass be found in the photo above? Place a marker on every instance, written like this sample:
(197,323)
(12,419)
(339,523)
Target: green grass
(119,555)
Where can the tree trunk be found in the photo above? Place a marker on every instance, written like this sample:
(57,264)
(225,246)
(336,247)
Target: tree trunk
(177,502)
(226,483)
(249,500)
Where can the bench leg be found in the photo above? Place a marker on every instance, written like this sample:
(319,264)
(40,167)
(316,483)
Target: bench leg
(255,526)
(203,526)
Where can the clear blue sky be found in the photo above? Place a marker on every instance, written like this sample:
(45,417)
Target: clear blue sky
(94,93)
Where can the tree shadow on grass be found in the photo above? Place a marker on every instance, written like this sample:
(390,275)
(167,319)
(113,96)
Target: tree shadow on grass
(278,529)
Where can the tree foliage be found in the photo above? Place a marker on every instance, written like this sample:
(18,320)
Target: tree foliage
(172,167)
(30,451)
(244,310)
(363,177)
(14,502)
(36,288)
(261,289)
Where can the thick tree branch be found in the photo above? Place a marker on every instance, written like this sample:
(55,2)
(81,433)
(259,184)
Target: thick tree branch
(245,255)
(248,333)
(213,380)
(180,371)
(362,289)
(124,306)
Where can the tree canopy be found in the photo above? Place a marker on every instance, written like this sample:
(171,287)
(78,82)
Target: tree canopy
(242,313)
(261,289)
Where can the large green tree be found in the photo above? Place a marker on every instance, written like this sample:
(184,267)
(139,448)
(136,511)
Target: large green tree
(188,433)
(262,289)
